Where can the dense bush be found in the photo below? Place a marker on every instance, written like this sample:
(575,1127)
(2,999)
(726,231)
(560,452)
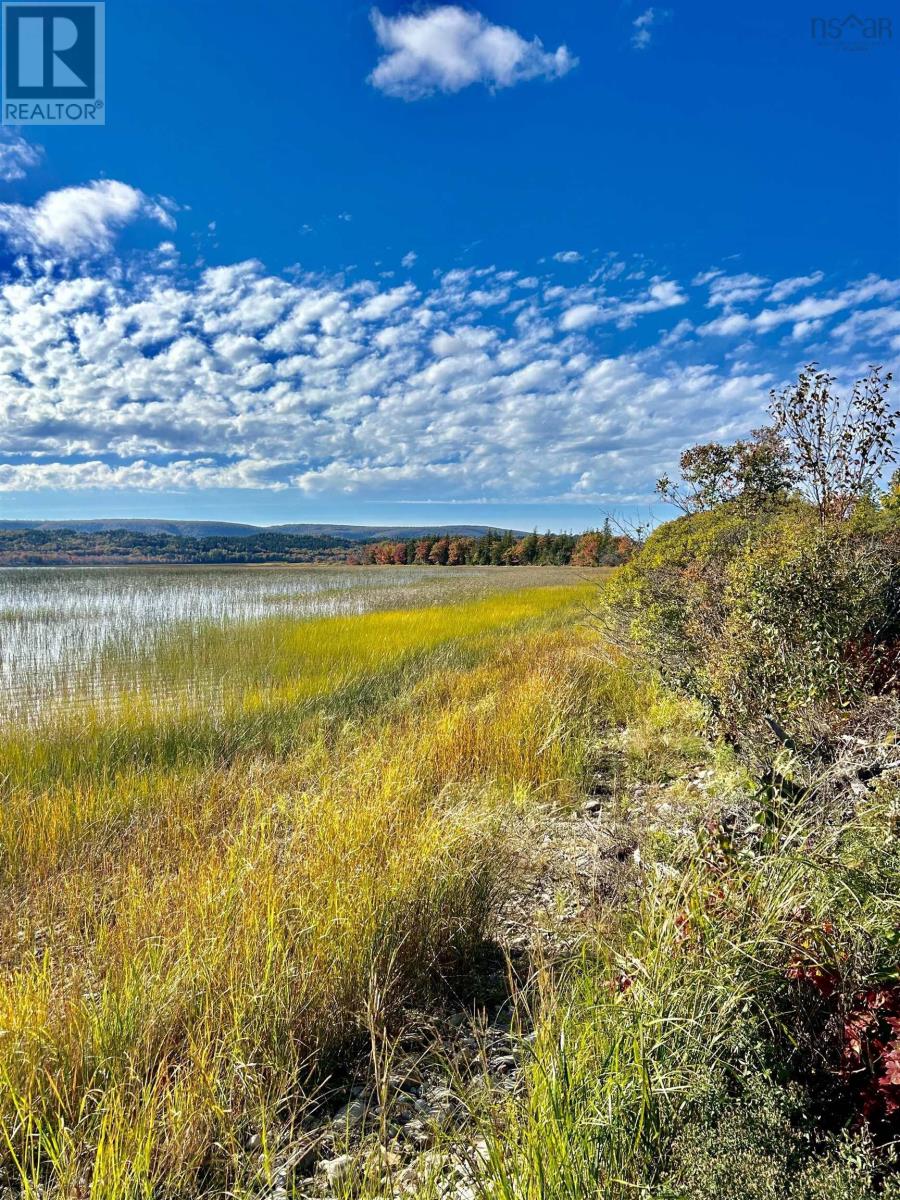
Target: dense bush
(773,617)
(811,629)
(668,604)
(763,1146)
(779,609)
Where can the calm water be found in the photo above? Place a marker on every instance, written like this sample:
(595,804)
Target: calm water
(61,628)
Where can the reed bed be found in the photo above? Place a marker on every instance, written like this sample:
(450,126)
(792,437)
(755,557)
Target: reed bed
(209,894)
(76,635)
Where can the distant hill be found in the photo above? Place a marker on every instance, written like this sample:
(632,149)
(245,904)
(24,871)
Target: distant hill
(373,533)
(229,529)
(142,543)
(193,529)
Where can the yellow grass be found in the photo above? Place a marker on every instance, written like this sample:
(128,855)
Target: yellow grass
(208,895)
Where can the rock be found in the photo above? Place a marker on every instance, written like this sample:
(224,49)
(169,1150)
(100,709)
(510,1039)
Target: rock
(337,1170)
(506,1063)
(350,1116)
(402,1082)
(415,1130)
(388,1160)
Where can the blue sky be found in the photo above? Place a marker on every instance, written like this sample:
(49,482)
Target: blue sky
(330,263)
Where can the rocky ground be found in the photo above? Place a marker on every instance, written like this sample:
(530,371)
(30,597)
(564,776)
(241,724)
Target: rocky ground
(404,1124)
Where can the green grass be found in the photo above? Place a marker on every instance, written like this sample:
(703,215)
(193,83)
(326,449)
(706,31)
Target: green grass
(205,905)
(214,895)
(676,1057)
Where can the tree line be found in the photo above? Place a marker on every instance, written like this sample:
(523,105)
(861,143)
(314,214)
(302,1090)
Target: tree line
(62,547)
(596,548)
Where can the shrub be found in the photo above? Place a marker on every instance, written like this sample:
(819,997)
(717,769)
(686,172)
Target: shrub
(763,1146)
(668,604)
(780,624)
(811,628)
(781,611)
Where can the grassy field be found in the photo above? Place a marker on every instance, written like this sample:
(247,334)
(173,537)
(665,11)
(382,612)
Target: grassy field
(264,848)
(209,896)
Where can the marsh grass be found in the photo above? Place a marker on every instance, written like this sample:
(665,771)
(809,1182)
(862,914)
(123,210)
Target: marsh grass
(235,876)
(205,897)
(201,694)
(83,635)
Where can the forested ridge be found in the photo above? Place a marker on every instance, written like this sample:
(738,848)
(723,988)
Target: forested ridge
(60,547)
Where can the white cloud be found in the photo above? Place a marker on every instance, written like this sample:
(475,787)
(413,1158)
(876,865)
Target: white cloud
(78,221)
(580,316)
(731,323)
(804,312)
(129,375)
(409,259)
(138,476)
(644,24)
(567,256)
(678,333)
(728,290)
(17,156)
(662,294)
(386,302)
(787,287)
(246,380)
(449,48)
(873,326)
(803,330)
(463,340)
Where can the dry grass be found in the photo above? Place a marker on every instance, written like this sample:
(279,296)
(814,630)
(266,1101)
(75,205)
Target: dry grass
(204,902)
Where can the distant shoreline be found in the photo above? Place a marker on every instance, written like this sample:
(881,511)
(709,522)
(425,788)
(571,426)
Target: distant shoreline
(30,547)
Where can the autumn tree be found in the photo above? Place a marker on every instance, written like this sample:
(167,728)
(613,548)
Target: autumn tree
(754,471)
(839,447)
(439,552)
(587,550)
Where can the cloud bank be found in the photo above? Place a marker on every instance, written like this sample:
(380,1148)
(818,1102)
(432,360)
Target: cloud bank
(487,385)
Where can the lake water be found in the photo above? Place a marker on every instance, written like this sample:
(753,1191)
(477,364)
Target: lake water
(60,628)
